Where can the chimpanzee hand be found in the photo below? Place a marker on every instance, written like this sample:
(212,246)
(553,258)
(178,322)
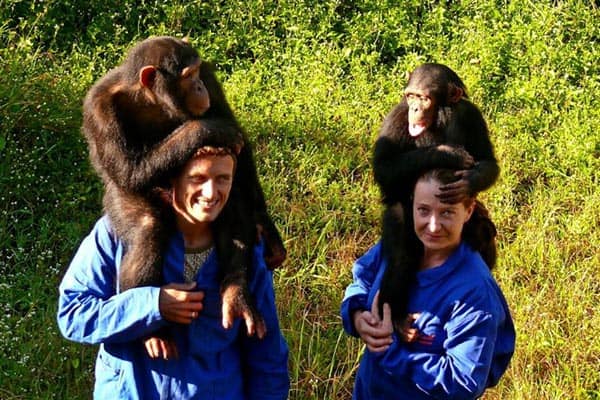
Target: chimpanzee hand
(405,330)
(235,305)
(455,192)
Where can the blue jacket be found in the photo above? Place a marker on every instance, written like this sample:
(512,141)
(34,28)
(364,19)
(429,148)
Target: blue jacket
(467,334)
(213,363)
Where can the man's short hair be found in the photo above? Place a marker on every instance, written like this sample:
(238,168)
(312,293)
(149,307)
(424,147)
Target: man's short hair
(215,151)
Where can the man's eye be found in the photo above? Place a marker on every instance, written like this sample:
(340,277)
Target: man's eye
(197,180)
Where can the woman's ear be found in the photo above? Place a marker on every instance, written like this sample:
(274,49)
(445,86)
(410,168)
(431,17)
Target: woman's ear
(470,209)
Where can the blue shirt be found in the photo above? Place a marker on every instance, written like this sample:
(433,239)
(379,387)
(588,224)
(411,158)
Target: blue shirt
(467,334)
(213,363)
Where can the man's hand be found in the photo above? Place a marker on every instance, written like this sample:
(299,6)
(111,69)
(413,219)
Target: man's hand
(161,348)
(375,332)
(178,303)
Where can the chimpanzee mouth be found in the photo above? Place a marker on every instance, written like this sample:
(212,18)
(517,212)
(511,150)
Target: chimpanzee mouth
(416,129)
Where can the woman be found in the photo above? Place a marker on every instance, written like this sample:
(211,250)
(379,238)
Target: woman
(458,337)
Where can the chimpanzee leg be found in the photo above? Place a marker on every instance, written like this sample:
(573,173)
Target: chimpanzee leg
(400,250)
(234,236)
(144,225)
(247,181)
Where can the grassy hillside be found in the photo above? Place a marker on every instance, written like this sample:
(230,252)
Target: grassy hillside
(311,82)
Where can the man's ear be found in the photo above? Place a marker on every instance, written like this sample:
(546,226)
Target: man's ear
(147,76)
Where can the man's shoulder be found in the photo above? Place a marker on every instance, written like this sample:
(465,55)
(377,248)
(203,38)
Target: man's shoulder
(103,232)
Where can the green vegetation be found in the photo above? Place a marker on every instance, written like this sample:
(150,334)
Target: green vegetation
(311,82)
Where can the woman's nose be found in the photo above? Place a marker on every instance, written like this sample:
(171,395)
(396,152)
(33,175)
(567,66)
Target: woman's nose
(433,225)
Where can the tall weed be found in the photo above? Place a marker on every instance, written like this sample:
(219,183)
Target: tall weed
(311,82)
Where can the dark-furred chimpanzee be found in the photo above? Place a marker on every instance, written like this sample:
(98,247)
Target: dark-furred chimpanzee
(143,120)
(434,126)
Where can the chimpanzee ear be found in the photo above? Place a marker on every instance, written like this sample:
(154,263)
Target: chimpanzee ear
(455,93)
(147,75)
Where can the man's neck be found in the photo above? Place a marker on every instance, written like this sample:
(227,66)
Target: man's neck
(195,235)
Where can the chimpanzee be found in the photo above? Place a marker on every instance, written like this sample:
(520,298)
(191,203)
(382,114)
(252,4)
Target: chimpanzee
(143,120)
(434,126)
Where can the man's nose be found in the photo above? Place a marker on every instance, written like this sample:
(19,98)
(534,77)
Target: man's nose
(208,189)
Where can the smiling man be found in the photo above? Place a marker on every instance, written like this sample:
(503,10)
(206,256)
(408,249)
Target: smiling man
(196,356)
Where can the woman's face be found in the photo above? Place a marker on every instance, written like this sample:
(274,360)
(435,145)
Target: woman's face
(438,225)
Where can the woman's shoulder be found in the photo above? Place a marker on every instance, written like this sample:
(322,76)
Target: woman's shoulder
(475,276)
(473,262)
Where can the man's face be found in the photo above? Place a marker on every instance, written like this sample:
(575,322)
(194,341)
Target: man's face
(202,189)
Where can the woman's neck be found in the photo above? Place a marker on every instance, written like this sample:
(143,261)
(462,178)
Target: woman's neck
(434,258)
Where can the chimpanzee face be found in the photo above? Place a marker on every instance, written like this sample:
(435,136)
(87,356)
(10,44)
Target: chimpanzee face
(421,109)
(196,98)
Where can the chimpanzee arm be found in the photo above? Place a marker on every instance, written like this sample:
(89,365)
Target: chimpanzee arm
(469,129)
(178,147)
(247,177)
(249,183)
(138,169)
(397,159)
(396,165)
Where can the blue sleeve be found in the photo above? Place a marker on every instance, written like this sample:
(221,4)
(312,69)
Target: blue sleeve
(265,360)
(89,309)
(461,369)
(364,272)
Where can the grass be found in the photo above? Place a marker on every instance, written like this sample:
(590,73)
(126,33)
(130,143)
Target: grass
(311,82)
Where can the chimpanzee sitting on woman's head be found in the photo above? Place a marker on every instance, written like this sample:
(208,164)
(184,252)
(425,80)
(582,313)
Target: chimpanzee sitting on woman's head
(142,121)
(457,337)
(434,126)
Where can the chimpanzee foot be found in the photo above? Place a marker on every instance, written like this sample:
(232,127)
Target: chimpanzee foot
(238,303)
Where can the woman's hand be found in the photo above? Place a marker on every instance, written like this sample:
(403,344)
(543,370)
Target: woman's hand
(374,331)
